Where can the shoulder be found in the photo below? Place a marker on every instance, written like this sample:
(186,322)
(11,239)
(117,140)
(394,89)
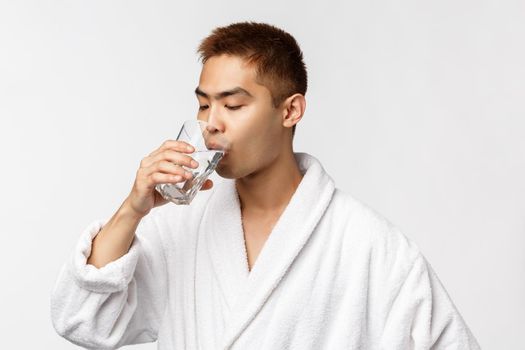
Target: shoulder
(364,227)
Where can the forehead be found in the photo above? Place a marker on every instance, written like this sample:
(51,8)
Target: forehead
(223,72)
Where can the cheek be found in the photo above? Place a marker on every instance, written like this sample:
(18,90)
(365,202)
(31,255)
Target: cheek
(254,150)
(254,133)
(246,127)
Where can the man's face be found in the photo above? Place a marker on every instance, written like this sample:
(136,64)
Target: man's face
(244,114)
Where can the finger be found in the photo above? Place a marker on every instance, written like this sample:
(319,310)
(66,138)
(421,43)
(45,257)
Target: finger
(162,178)
(172,156)
(207,185)
(177,145)
(165,166)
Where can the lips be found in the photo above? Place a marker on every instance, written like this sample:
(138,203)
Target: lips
(215,146)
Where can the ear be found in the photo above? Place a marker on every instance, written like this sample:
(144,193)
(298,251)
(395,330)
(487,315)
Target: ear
(293,110)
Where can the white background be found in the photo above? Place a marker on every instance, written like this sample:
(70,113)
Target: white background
(414,107)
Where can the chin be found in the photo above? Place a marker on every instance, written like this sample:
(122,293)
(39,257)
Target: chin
(223,171)
(227,172)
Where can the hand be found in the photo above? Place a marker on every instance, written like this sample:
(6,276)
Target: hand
(161,166)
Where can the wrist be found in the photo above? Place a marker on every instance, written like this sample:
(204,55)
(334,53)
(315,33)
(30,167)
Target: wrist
(126,211)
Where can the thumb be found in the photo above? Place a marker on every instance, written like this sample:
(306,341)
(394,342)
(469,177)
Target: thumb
(206,185)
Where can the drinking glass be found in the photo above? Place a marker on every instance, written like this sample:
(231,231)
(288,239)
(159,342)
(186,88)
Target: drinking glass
(210,145)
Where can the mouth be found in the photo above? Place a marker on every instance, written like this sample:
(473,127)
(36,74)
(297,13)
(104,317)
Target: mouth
(217,147)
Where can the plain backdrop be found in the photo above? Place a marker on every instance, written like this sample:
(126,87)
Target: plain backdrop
(414,107)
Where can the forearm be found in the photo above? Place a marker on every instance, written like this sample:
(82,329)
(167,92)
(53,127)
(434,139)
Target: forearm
(115,238)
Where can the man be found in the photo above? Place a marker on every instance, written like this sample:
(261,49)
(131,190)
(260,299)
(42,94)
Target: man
(273,257)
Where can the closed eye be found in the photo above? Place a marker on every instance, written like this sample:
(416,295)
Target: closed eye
(233,108)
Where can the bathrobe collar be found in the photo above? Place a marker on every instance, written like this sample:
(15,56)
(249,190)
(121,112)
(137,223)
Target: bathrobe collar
(246,292)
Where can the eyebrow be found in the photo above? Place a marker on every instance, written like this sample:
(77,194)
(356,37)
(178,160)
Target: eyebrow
(223,94)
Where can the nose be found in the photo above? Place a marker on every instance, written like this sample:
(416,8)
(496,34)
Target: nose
(215,139)
(215,123)
(215,134)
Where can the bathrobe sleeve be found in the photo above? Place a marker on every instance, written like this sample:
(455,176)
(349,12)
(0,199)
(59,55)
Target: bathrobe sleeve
(119,304)
(422,315)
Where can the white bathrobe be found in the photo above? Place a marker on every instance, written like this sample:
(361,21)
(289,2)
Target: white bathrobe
(333,274)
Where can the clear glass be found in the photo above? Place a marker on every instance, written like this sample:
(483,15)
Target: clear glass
(210,146)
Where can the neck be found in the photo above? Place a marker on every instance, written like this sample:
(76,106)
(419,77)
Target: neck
(269,190)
